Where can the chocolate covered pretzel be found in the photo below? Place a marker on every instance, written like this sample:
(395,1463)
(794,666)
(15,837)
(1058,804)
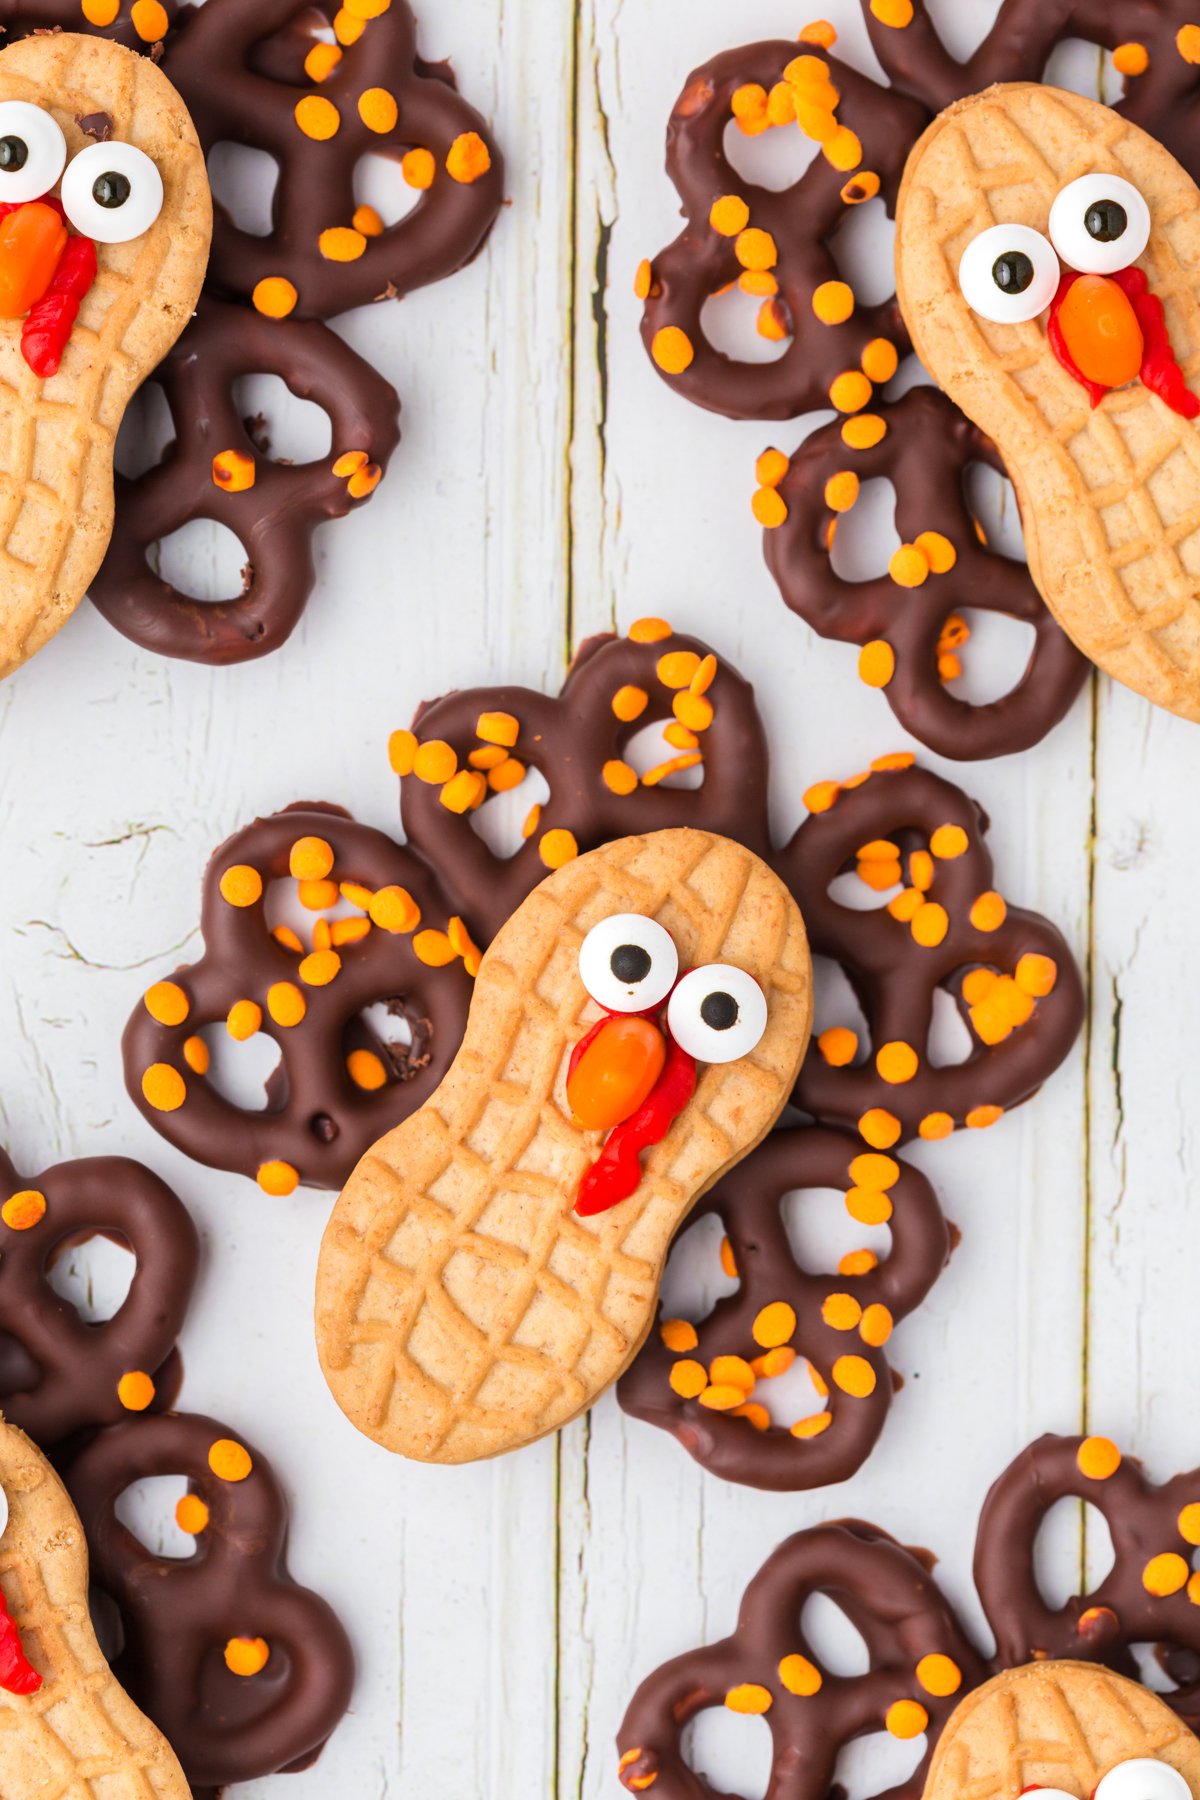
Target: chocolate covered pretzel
(380,933)
(471,745)
(219,467)
(58,1374)
(244,1671)
(706,1383)
(1010,972)
(263,73)
(908,621)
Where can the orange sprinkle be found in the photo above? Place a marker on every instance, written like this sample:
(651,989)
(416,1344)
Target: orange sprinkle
(318,118)
(246,1656)
(939,553)
(241,885)
(769,508)
(557,847)
(648,631)
(378,110)
(880,360)
(167,1003)
(366,1070)
(243,1020)
(688,1379)
(275,297)
(498,728)
(278,1179)
(310,859)
(864,432)
(678,1335)
(346,28)
(197,1055)
(321,61)
(876,664)
(135,1390)
(149,20)
(833,302)
(838,1045)
(673,766)
(820,31)
(895,759)
(418,168)
(770,468)
(24,1210)
(879,1128)
(191,1515)
(728,1261)
(435,762)
(948,841)
(692,710)
(781,104)
(930,925)
(864,186)
(317,895)
(850,391)
(920,869)
(904,1718)
(672,349)
(729,215)
(879,876)
(844,150)
(841,491)
(677,668)
(402,752)
(468,158)
(722,1397)
(1098,1458)
(1189,1523)
(821,796)
(855,1376)
(234,471)
(841,1312)
(748,105)
(775,1362)
(163,1088)
(774,1325)
(488,757)
(988,912)
(229,1461)
(1036,975)
(619,777)
(643,279)
(341,243)
(532,820)
(100,12)
(286,1004)
(799,1676)
(868,1170)
(506,775)
(772,322)
(1164,1575)
(909,568)
(939,1675)
(755,249)
(464,791)
(679,737)
(813,1426)
(629,703)
(1131,59)
(287,939)
(1187,42)
(905,906)
(813,116)
(897,14)
(980,1117)
(434,949)
(896,1063)
(935,1125)
(876,1325)
(758,1415)
(367,9)
(748,1697)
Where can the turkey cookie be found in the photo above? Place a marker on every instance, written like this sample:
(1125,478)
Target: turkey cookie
(66,1726)
(906,833)
(470,746)
(376,935)
(709,1384)
(1048,264)
(105,220)
(246,1672)
(492,1265)
(906,621)
(59,1374)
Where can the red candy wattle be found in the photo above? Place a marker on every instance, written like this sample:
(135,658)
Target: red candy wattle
(17,1673)
(1160,372)
(617,1171)
(48,328)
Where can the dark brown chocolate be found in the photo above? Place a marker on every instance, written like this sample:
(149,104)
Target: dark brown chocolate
(317,1121)
(275,516)
(895,975)
(927,451)
(863,1303)
(179,1615)
(241,67)
(59,1375)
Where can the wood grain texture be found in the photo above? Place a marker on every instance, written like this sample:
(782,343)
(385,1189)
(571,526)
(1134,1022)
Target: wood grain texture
(549,485)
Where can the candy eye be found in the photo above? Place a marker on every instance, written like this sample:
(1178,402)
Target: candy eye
(3,1512)
(1143,1779)
(33,151)
(717,1013)
(628,963)
(112,192)
(1099,224)
(1009,274)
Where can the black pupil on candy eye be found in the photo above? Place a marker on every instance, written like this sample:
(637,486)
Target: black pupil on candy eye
(14,154)
(1106,221)
(1012,272)
(630,964)
(719,1011)
(111,190)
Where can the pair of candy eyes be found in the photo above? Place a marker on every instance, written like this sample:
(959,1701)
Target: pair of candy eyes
(629,964)
(110,192)
(1143,1778)
(1098,225)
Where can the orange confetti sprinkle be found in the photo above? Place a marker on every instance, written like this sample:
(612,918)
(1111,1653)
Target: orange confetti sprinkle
(246,1656)
(468,158)
(833,302)
(850,391)
(688,1379)
(366,1071)
(318,118)
(23,1210)
(672,349)
(748,1697)
(557,847)
(241,885)
(286,1004)
(191,1515)
(1098,1458)
(149,19)
(799,1676)
(278,1179)
(342,244)
(774,1325)
(879,1128)
(229,1461)
(234,471)
(838,1045)
(729,215)
(135,1390)
(1131,59)
(378,110)
(418,168)
(678,1335)
(904,1718)
(167,1003)
(939,1675)
(163,1088)
(934,1126)
(1164,1575)
(876,664)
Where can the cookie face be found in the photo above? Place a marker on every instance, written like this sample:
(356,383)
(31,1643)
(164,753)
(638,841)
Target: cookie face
(1048,266)
(105,220)
(493,1264)
(1069,1730)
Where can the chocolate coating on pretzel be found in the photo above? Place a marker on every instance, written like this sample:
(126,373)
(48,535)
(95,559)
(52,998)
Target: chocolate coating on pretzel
(1010,972)
(576,742)
(179,1615)
(216,468)
(59,1374)
(926,451)
(243,68)
(840,1322)
(802,221)
(318,1119)
(148,26)
(889,1596)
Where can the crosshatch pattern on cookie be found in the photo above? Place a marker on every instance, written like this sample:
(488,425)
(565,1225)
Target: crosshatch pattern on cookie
(706,1383)
(460,1309)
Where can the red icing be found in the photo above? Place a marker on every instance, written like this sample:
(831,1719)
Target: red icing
(617,1171)
(17,1673)
(48,327)
(1159,371)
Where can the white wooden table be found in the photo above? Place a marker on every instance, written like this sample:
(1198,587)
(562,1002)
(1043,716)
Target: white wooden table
(549,485)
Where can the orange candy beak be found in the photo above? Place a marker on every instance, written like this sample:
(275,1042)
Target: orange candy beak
(32,241)
(616,1072)
(1101,331)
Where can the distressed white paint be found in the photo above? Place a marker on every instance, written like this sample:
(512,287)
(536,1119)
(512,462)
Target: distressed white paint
(548,485)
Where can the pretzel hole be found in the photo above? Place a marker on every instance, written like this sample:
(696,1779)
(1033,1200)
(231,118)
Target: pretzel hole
(378,182)
(1072,1551)
(146,433)
(648,749)
(820,1231)
(280,424)
(876,1763)
(250,1074)
(775,159)
(995,657)
(1084,67)
(790,1396)
(1165,1668)
(695,1277)
(147,1509)
(950,1041)
(866,536)
(244,181)
(733,1751)
(501,820)
(94,1275)
(836,1003)
(397,1030)
(730,322)
(282,906)
(849,890)
(992,501)
(203,560)
(863,247)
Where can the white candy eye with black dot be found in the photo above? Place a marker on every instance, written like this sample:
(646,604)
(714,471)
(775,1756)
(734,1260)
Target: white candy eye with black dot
(112,192)
(33,151)
(1099,224)
(3,1512)
(1009,274)
(717,1013)
(1144,1778)
(628,963)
